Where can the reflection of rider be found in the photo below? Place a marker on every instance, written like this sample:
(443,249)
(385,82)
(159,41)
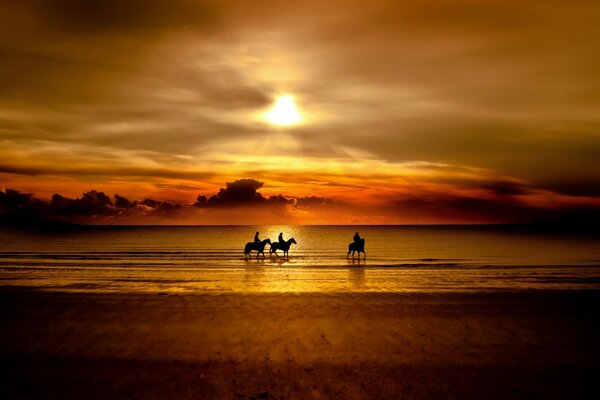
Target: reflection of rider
(281,238)
(256,239)
(356,238)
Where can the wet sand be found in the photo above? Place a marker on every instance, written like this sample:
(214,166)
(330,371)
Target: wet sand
(344,345)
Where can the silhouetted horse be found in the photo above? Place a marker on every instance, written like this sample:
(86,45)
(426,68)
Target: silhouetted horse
(285,247)
(259,247)
(357,247)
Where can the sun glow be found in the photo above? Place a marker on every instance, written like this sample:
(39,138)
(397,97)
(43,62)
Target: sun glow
(284,112)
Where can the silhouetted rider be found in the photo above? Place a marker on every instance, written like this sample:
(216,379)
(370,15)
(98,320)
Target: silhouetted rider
(356,238)
(281,238)
(256,238)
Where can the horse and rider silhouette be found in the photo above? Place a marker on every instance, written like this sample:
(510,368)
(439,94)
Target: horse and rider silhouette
(357,246)
(283,245)
(259,246)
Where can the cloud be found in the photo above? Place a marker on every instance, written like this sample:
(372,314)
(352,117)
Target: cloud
(134,95)
(13,201)
(91,206)
(122,202)
(455,208)
(91,203)
(242,193)
(128,16)
(459,208)
(160,206)
(506,188)
(312,201)
(97,207)
(103,170)
(241,202)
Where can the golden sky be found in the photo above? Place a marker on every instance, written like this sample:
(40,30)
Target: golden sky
(407,112)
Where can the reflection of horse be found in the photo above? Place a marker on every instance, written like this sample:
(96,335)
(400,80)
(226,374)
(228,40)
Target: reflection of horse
(259,247)
(284,246)
(357,247)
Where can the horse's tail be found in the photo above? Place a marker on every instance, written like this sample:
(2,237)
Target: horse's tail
(248,248)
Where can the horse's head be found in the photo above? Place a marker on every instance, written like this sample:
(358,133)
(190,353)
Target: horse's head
(292,240)
(267,241)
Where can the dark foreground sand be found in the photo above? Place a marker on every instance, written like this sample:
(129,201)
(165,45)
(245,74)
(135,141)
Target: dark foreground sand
(342,346)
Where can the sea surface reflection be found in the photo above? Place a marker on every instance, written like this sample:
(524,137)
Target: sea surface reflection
(211,260)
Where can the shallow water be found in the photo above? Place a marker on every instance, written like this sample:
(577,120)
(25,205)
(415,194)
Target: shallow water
(211,260)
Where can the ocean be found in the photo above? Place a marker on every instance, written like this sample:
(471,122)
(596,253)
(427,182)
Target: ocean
(210,259)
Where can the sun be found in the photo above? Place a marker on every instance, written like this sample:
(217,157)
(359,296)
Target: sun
(284,112)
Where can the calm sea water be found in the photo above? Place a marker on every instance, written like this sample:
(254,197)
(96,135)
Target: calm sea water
(211,260)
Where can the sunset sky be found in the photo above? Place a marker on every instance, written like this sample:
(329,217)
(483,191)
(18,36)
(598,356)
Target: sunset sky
(348,111)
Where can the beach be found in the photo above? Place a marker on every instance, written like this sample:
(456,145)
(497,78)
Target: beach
(527,344)
(177,312)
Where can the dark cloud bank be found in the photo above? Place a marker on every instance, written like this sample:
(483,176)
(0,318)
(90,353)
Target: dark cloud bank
(100,207)
(242,192)
(96,207)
